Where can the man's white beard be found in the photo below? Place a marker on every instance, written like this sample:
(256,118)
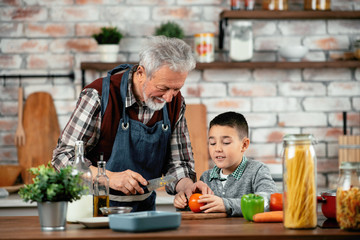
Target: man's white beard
(151,103)
(154,105)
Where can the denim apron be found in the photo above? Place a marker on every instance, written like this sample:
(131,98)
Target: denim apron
(137,147)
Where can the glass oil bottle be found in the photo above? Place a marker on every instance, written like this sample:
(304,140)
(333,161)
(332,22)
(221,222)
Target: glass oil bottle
(101,189)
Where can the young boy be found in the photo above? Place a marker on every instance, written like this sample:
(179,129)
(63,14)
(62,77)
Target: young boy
(233,175)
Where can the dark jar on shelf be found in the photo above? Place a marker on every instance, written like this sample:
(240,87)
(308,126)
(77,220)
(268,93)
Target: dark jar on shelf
(237,4)
(242,4)
(278,5)
(321,5)
(356,46)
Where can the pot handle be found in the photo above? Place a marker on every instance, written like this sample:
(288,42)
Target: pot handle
(321,199)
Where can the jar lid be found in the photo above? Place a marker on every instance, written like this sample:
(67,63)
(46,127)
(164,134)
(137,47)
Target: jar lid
(328,193)
(350,165)
(299,138)
(204,35)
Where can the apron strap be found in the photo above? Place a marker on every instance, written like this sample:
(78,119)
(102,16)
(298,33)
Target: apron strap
(106,84)
(123,90)
(166,123)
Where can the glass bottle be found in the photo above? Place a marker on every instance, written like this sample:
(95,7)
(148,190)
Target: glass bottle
(237,4)
(82,208)
(278,5)
(348,197)
(356,47)
(299,174)
(101,189)
(322,5)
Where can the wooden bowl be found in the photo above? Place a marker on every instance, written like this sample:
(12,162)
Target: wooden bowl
(9,174)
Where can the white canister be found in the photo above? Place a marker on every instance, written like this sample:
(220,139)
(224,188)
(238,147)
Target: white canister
(204,47)
(241,41)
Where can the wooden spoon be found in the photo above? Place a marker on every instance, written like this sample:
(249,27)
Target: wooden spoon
(20,133)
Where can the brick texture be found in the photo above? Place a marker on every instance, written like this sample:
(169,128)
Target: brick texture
(46,36)
(49,30)
(24,45)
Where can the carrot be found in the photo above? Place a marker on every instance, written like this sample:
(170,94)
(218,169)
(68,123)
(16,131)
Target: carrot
(272,216)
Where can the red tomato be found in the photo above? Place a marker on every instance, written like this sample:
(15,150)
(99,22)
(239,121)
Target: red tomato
(194,205)
(276,202)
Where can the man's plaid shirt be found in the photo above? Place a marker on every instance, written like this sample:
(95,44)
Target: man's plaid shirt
(85,125)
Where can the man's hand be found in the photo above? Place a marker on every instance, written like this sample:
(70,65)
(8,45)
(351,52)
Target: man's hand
(187,186)
(202,188)
(127,182)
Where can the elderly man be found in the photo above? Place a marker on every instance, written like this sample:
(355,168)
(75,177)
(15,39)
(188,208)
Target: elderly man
(135,116)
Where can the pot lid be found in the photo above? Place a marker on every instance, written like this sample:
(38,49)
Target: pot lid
(299,139)
(329,193)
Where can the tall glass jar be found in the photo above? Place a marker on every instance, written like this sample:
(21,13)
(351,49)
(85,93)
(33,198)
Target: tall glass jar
(299,181)
(348,197)
(241,41)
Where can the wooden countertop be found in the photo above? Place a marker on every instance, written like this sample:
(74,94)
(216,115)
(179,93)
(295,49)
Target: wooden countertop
(222,228)
(14,200)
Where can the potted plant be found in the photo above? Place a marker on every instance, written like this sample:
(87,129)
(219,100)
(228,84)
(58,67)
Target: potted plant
(170,29)
(108,40)
(52,191)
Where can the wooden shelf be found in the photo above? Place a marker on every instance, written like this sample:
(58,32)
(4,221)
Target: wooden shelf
(278,65)
(234,14)
(280,15)
(101,66)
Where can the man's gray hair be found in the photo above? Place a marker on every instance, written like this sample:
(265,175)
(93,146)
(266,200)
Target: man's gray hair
(172,52)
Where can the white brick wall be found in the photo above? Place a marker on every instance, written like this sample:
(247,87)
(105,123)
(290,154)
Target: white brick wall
(42,36)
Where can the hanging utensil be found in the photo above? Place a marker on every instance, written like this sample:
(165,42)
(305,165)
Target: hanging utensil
(20,133)
(344,122)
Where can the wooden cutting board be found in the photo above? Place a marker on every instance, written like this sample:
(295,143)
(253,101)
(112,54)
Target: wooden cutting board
(196,216)
(41,133)
(195,115)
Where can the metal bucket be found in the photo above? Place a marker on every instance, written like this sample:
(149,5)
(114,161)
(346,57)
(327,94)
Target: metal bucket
(52,215)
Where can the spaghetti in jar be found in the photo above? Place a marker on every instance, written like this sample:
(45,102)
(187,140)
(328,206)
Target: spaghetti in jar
(299,179)
(348,197)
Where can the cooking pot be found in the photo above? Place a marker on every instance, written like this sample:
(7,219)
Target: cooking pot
(328,203)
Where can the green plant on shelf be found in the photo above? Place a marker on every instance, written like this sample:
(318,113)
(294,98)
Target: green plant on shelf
(170,29)
(108,35)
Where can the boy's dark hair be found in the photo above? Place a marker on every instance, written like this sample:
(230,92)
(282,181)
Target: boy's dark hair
(232,119)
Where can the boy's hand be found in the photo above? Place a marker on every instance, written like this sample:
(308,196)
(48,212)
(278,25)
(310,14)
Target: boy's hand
(212,203)
(180,200)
